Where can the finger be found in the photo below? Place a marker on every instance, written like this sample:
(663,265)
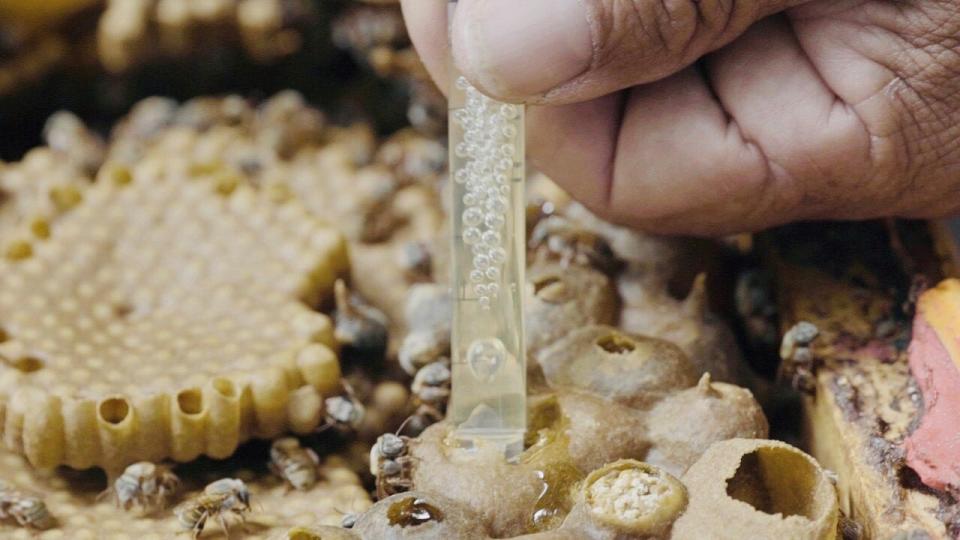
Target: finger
(561,51)
(578,142)
(756,139)
(672,153)
(682,166)
(769,87)
(427,25)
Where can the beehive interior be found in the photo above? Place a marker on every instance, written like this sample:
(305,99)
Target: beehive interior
(72,497)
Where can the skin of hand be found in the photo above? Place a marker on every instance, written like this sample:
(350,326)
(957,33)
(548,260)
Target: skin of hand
(717,116)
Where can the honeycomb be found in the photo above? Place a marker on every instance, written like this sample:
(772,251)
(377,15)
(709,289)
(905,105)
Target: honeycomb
(382,197)
(165,317)
(131,32)
(33,192)
(71,498)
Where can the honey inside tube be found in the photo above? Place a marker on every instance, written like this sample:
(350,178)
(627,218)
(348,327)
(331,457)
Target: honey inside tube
(488,402)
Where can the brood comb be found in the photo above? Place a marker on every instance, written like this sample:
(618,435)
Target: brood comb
(166,316)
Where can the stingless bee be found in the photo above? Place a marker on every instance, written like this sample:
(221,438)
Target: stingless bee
(416,260)
(798,365)
(294,463)
(431,384)
(144,484)
(559,237)
(391,464)
(222,498)
(358,326)
(343,413)
(193,514)
(238,494)
(423,417)
(27,509)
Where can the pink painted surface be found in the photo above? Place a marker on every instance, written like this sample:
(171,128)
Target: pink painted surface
(933,450)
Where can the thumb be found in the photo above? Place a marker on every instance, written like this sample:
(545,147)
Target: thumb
(561,51)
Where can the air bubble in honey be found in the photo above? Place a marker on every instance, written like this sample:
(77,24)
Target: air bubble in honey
(485,357)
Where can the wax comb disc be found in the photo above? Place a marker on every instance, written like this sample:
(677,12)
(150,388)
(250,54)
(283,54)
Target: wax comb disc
(33,193)
(71,498)
(165,317)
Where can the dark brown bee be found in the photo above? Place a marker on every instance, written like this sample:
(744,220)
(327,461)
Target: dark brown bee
(222,498)
(423,347)
(431,392)
(431,385)
(377,216)
(27,509)
(753,298)
(416,260)
(423,417)
(391,464)
(428,311)
(797,367)
(556,237)
(294,463)
(193,514)
(343,413)
(361,328)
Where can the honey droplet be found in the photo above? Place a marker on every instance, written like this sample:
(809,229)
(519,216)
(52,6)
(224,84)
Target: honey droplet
(413,511)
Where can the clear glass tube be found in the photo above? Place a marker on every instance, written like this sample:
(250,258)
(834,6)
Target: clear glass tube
(488,400)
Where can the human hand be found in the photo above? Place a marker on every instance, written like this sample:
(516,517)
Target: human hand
(717,116)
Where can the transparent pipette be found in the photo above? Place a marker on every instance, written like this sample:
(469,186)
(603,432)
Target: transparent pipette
(488,398)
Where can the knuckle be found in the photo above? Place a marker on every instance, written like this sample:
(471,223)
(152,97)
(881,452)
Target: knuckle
(696,25)
(671,27)
(662,36)
(676,23)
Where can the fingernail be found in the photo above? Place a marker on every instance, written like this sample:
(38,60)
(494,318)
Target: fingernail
(522,48)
